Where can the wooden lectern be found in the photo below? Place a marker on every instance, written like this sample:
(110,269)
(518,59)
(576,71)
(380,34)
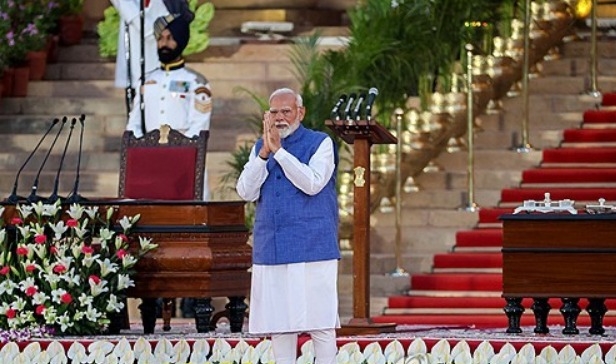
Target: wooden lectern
(362,134)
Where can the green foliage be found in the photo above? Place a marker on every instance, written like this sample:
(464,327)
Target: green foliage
(108,32)
(108,29)
(71,7)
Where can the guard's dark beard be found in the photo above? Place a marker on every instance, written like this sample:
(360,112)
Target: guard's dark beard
(168,55)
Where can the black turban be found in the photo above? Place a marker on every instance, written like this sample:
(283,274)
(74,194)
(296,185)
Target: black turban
(178,26)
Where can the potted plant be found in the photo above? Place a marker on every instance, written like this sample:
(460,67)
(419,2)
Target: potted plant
(71,22)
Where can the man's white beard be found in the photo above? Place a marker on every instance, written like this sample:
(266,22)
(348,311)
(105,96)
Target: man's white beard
(288,129)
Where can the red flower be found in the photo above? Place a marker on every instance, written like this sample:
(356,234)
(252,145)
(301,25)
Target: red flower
(30,268)
(31,291)
(22,250)
(40,309)
(16,221)
(66,298)
(87,250)
(53,250)
(40,239)
(5,270)
(72,223)
(121,253)
(11,313)
(95,279)
(59,268)
(123,237)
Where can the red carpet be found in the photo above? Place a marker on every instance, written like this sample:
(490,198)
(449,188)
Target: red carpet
(609,99)
(464,288)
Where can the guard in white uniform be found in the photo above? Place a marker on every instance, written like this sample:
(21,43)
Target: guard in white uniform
(173,94)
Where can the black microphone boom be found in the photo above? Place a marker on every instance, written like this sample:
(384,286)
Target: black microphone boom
(347,109)
(372,93)
(13,198)
(54,195)
(33,197)
(335,114)
(75,197)
(357,111)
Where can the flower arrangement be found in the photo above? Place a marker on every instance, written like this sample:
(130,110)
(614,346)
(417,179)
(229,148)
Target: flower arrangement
(63,272)
(234,351)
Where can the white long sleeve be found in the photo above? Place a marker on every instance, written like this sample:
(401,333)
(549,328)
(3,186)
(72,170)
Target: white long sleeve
(309,178)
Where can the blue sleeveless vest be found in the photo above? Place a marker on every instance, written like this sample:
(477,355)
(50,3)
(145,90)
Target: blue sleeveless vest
(291,226)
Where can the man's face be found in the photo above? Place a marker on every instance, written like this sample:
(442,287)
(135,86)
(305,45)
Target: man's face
(166,46)
(285,113)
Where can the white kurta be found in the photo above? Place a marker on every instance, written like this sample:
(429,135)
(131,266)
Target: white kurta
(297,297)
(129,13)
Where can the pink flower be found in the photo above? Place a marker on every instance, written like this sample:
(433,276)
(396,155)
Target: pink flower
(16,221)
(40,239)
(11,313)
(31,291)
(53,250)
(123,237)
(59,268)
(30,268)
(121,253)
(95,279)
(66,298)
(72,223)
(40,309)
(22,250)
(87,250)
(5,270)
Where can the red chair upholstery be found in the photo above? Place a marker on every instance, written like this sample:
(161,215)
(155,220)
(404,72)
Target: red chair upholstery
(163,165)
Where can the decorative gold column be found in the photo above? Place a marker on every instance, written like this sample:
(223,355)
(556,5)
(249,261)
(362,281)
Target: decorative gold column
(594,90)
(470,132)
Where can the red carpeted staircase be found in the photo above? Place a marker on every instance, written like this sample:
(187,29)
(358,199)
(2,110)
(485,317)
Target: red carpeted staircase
(464,287)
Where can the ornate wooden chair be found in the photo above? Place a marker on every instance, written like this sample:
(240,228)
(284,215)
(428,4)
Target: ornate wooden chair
(162,165)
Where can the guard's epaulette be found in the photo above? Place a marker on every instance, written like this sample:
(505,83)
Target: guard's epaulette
(198,76)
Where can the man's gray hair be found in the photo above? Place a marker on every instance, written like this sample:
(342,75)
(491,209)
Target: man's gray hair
(287,91)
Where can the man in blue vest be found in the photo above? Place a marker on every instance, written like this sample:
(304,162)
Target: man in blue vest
(291,175)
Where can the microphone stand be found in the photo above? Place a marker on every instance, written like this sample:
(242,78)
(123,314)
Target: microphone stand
(142,62)
(54,195)
(75,197)
(33,197)
(13,198)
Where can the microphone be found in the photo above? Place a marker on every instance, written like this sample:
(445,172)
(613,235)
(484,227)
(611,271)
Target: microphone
(13,198)
(74,196)
(357,112)
(33,197)
(347,109)
(54,195)
(372,93)
(334,114)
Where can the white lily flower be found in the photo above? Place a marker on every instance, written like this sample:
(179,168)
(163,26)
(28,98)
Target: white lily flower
(24,231)
(149,358)
(24,210)
(92,212)
(124,281)
(85,300)
(2,208)
(128,261)
(38,208)
(58,229)
(394,351)
(99,288)
(107,267)
(567,355)
(590,352)
(145,244)
(65,322)
(39,298)
(52,210)
(105,234)
(75,211)
(2,236)
(114,305)
(125,223)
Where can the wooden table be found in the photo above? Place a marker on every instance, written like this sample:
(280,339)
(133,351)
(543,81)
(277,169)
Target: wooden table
(559,255)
